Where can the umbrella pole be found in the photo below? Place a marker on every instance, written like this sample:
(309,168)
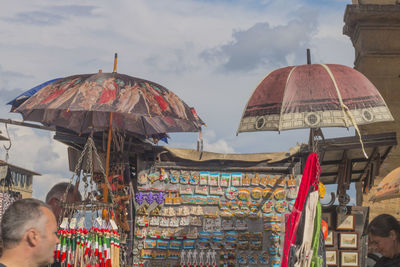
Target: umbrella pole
(105,189)
(311,139)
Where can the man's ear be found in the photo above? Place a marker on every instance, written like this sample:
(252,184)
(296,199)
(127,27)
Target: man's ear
(32,237)
(393,235)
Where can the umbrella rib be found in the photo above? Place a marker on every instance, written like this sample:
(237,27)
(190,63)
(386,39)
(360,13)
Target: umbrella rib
(345,109)
(284,92)
(144,126)
(145,103)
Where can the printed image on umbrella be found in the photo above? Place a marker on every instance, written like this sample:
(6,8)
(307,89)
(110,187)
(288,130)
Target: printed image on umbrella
(313,96)
(389,187)
(16,102)
(83,103)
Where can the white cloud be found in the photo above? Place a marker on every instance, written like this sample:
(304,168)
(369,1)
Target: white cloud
(219,146)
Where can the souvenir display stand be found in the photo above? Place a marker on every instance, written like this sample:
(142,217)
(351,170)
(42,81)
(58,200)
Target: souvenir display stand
(203,215)
(90,230)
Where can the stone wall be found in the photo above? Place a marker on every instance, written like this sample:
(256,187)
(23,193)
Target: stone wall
(374,29)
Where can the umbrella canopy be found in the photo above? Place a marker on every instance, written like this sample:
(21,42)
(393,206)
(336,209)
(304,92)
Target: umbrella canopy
(313,96)
(16,102)
(389,187)
(84,102)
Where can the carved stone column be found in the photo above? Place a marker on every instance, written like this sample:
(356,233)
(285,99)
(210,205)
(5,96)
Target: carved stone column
(374,29)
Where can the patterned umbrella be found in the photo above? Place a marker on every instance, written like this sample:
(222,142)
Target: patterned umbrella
(313,96)
(389,187)
(84,102)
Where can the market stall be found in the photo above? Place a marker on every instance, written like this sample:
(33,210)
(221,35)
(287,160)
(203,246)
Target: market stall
(210,209)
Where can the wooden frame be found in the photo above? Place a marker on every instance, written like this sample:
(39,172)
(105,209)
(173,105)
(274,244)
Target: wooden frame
(350,258)
(348,240)
(331,257)
(327,217)
(330,239)
(345,223)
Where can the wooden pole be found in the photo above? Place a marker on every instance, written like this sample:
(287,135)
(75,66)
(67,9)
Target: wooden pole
(105,189)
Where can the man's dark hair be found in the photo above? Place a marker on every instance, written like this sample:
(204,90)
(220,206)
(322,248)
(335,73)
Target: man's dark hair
(20,216)
(382,224)
(58,191)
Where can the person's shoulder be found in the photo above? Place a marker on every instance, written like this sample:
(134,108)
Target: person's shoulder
(386,262)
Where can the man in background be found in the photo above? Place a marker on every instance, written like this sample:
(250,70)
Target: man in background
(55,197)
(29,234)
(56,194)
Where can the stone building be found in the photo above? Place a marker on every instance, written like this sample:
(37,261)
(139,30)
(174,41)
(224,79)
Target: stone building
(21,178)
(374,29)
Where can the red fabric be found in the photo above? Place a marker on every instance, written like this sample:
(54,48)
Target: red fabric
(310,177)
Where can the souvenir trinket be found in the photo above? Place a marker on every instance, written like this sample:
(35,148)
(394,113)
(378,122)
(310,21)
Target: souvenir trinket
(153,176)
(241,225)
(194,178)
(255,179)
(174,176)
(256,193)
(150,243)
(236,179)
(244,194)
(242,258)
(164,222)
(268,206)
(281,181)
(272,181)
(202,190)
(159,197)
(252,259)
(225,179)
(155,211)
(176,200)
(150,198)
(268,193)
(231,193)
(168,199)
(264,180)
(164,177)
(279,193)
(246,180)
(291,193)
(184,178)
(185,190)
(174,222)
(142,179)
(213,178)
(139,197)
(281,206)
(216,191)
(227,225)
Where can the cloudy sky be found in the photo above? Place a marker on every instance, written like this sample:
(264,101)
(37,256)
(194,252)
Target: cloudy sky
(211,53)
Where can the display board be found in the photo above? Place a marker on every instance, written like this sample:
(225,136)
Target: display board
(346,242)
(209,218)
